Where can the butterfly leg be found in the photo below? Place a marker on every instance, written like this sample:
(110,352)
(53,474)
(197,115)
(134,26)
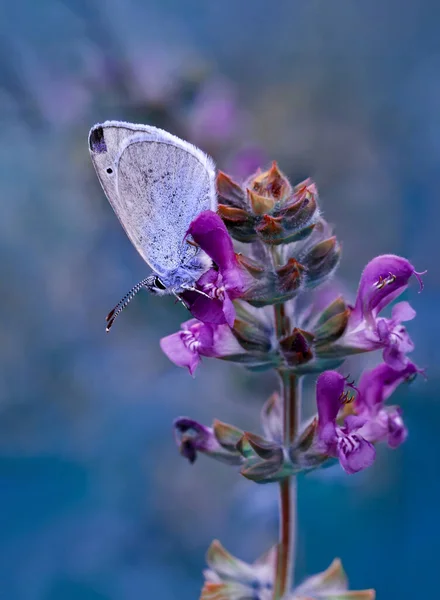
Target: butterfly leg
(180,299)
(194,289)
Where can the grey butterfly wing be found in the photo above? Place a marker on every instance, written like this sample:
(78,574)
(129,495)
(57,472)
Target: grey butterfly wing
(157,185)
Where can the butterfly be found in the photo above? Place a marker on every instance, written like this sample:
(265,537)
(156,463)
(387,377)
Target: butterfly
(157,184)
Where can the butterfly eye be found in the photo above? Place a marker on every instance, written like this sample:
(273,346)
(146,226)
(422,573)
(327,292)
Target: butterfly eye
(159,284)
(109,170)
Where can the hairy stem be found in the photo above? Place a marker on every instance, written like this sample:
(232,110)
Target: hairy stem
(291,392)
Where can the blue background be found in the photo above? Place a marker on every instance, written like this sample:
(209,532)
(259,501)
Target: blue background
(95,502)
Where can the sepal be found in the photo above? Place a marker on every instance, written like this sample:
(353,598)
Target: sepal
(265,461)
(297,347)
(305,452)
(321,260)
(331,324)
(331,584)
(254,339)
(229,578)
(272,418)
(266,285)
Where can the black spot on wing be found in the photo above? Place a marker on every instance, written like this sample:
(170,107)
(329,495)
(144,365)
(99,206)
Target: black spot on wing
(96,140)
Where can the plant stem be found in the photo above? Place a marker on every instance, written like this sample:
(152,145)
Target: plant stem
(291,392)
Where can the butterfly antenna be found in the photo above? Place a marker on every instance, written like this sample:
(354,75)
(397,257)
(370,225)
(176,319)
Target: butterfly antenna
(125,301)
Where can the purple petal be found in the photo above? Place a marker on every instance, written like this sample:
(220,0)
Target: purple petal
(228,311)
(205,336)
(192,437)
(402,311)
(355,453)
(397,432)
(404,341)
(210,233)
(376,385)
(327,435)
(217,308)
(329,387)
(225,343)
(383,279)
(174,347)
(399,344)
(394,358)
(353,422)
(208,310)
(185,347)
(376,429)
(383,329)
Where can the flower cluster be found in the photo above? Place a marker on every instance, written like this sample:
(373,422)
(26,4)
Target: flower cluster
(262,304)
(230,578)
(287,249)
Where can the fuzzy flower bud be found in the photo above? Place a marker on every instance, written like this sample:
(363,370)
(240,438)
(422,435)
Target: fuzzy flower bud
(266,284)
(268,208)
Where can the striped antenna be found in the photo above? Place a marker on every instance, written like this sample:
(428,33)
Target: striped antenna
(125,301)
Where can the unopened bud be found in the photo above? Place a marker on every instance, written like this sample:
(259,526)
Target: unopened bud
(321,260)
(297,347)
(267,208)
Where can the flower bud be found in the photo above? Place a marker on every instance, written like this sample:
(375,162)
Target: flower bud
(264,459)
(253,334)
(305,453)
(266,285)
(321,260)
(297,347)
(331,324)
(271,184)
(268,208)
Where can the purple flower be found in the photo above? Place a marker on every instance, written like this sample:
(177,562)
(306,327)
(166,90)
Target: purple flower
(192,437)
(347,442)
(214,116)
(375,386)
(246,162)
(196,339)
(219,285)
(383,280)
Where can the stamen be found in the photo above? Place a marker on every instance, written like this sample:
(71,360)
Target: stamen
(391,278)
(383,281)
(380,283)
(346,398)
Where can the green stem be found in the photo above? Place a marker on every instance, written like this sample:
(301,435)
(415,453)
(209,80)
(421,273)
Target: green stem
(291,394)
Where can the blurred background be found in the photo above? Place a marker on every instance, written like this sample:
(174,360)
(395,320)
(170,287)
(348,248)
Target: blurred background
(95,502)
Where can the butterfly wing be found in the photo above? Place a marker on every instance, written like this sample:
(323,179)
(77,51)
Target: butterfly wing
(157,184)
